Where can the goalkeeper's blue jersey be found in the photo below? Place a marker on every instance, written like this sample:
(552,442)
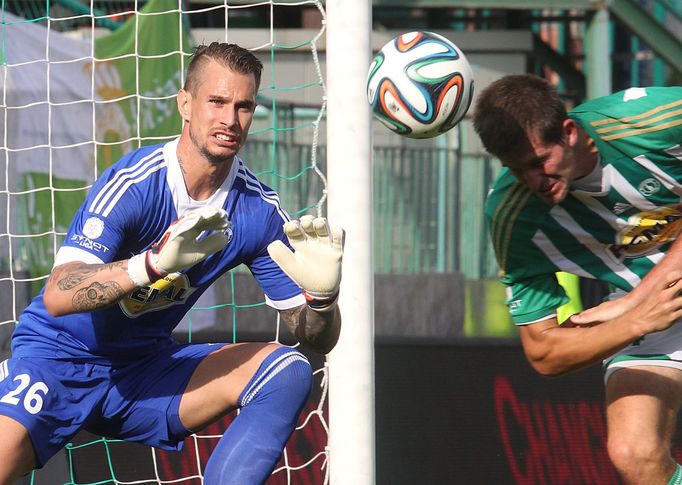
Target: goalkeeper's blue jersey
(128,209)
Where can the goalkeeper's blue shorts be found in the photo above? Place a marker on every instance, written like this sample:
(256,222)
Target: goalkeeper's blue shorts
(53,399)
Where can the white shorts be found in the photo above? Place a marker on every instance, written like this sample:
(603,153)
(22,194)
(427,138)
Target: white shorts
(663,349)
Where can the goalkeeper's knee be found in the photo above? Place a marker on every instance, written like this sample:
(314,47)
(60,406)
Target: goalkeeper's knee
(270,405)
(284,376)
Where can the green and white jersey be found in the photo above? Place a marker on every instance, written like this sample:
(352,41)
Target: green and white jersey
(615,224)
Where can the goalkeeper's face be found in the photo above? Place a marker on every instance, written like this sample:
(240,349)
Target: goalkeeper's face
(218,112)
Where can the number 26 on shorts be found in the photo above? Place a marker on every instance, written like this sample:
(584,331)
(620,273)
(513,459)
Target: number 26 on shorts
(33,399)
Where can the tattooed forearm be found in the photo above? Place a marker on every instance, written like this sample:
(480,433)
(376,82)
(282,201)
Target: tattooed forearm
(316,331)
(291,318)
(96,296)
(68,278)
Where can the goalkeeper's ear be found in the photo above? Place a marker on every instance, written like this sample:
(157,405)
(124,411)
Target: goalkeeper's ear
(184,100)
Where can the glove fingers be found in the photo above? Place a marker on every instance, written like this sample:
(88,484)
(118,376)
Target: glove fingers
(307,225)
(206,219)
(212,243)
(282,255)
(294,233)
(338,237)
(321,227)
(211,218)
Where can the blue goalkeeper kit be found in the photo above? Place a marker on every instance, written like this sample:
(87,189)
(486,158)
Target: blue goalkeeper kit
(127,210)
(118,371)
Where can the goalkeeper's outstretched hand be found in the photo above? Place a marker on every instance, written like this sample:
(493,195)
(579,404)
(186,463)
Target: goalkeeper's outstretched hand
(316,263)
(180,247)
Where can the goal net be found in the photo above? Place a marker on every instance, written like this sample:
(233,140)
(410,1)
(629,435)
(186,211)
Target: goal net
(83,83)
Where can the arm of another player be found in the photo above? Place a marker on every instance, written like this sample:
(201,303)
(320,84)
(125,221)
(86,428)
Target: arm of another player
(553,349)
(316,268)
(79,287)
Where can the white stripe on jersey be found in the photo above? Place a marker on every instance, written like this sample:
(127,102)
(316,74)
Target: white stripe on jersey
(600,209)
(118,185)
(655,257)
(675,151)
(552,252)
(629,193)
(593,245)
(667,181)
(268,196)
(128,183)
(4,370)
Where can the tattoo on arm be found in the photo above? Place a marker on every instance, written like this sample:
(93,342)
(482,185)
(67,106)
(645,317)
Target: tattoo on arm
(75,275)
(316,331)
(97,295)
(291,318)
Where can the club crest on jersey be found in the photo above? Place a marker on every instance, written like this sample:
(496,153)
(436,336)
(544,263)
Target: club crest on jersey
(229,232)
(646,231)
(93,227)
(649,187)
(171,290)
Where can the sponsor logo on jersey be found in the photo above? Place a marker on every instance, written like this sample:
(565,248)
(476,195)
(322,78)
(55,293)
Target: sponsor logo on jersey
(93,227)
(87,243)
(619,207)
(171,290)
(649,187)
(646,231)
(514,305)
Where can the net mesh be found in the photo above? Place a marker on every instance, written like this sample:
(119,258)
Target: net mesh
(83,83)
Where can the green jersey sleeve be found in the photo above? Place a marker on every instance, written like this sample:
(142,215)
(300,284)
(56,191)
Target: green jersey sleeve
(533,291)
(535,299)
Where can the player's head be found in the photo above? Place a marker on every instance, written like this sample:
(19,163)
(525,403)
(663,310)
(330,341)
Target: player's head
(218,101)
(232,56)
(522,121)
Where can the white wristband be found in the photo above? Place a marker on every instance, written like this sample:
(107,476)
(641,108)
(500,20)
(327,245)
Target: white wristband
(137,270)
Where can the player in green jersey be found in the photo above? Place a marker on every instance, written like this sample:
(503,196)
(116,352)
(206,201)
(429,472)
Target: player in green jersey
(595,192)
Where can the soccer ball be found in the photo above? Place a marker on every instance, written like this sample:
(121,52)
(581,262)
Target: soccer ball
(420,85)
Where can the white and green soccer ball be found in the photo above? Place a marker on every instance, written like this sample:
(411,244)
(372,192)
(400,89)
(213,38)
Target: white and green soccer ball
(420,85)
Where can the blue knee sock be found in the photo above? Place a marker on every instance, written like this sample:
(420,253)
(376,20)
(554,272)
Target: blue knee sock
(270,404)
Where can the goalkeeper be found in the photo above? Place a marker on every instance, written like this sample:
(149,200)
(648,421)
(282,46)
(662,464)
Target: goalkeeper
(596,192)
(94,350)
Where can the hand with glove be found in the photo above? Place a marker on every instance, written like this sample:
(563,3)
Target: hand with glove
(180,247)
(316,263)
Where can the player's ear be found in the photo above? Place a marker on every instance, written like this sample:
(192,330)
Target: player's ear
(184,100)
(570,131)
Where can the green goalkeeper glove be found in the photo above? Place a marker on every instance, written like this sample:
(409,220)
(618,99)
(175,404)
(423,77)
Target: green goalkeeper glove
(180,246)
(316,264)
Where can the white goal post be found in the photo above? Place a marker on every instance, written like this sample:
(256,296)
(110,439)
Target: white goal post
(349,171)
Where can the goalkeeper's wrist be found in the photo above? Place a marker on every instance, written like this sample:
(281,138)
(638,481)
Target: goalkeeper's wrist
(142,270)
(321,303)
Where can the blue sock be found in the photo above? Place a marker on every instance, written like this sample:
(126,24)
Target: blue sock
(270,404)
